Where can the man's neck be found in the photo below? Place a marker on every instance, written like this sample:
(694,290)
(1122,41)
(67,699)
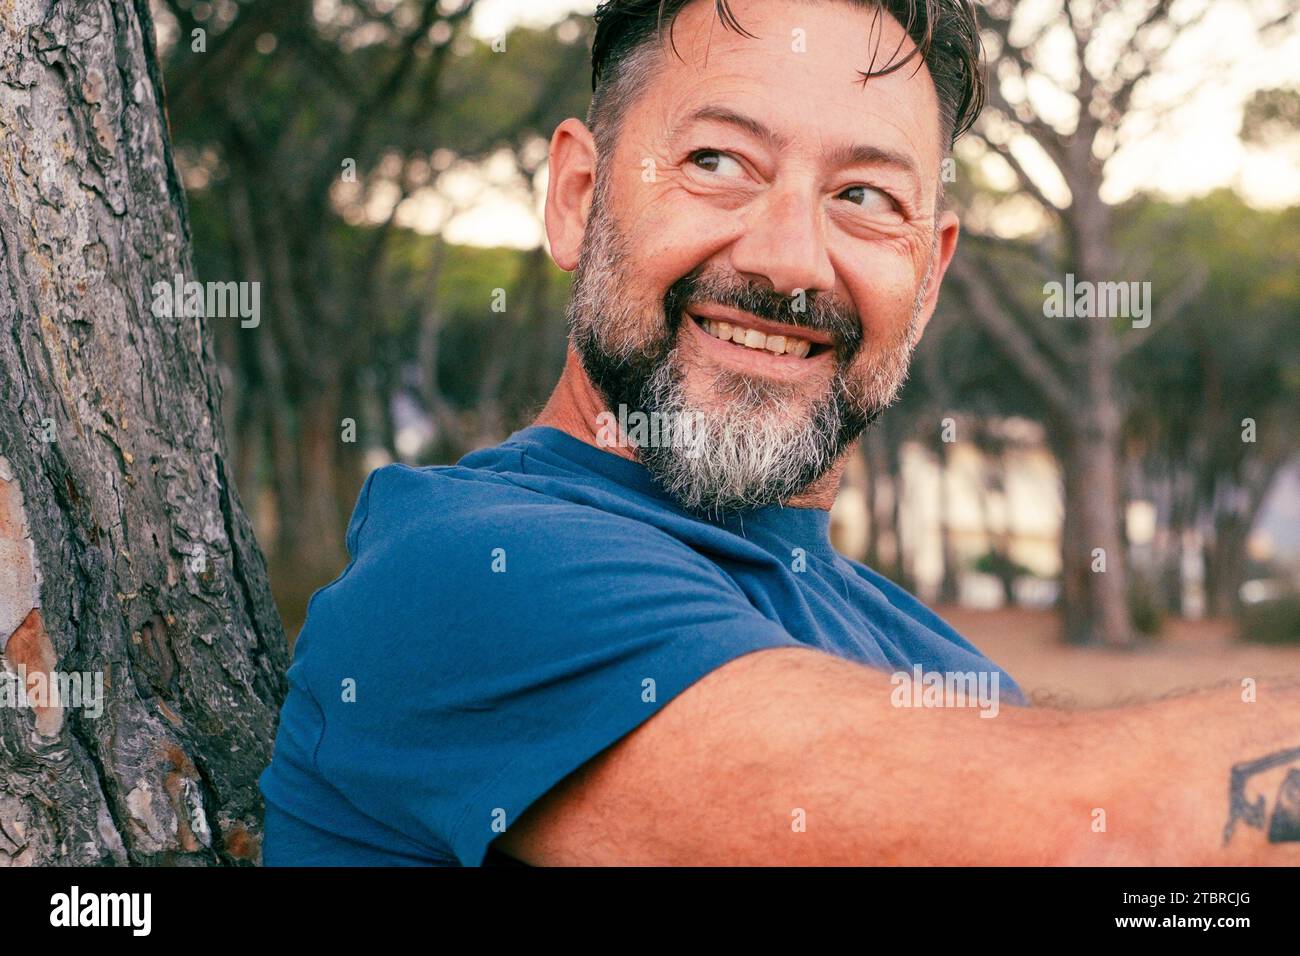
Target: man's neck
(575,405)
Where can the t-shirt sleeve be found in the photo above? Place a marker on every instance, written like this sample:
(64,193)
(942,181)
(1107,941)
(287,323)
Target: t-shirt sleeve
(465,669)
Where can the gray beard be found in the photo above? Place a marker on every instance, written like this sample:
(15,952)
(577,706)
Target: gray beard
(746,451)
(745,454)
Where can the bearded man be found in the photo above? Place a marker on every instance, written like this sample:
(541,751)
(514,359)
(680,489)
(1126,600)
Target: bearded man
(599,644)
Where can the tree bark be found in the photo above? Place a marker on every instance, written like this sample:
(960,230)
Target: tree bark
(1225,571)
(1095,452)
(124,549)
(949,585)
(1094,602)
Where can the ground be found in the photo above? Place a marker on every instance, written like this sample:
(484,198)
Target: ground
(1190,654)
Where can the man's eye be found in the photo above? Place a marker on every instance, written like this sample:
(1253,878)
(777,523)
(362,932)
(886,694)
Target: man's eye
(869,197)
(710,160)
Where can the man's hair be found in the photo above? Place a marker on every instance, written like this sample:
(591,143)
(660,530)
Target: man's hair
(945,33)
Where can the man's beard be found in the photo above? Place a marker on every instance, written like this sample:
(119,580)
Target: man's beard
(746,451)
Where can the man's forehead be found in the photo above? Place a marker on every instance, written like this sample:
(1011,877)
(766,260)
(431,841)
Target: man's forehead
(799,65)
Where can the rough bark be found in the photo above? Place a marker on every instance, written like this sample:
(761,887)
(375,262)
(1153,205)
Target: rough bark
(124,549)
(1094,603)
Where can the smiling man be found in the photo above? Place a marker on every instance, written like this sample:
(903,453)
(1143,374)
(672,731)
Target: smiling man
(596,643)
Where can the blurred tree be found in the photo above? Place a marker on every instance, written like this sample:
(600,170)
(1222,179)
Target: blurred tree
(1271,116)
(1215,397)
(126,561)
(960,385)
(1087,61)
(326,147)
(304,129)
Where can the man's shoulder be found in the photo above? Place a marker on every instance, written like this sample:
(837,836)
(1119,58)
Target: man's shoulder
(450,533)
(436,550)
(406,506)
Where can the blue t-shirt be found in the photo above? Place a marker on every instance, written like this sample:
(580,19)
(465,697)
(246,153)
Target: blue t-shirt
(504,620)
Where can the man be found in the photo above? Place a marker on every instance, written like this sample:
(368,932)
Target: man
(622,636)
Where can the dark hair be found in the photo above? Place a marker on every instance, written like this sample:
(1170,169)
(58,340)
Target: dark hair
(945,33)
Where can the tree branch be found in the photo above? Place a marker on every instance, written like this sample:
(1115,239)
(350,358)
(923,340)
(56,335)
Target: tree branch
(1018,346)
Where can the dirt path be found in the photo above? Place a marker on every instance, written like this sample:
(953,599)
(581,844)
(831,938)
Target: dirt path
(1191,654)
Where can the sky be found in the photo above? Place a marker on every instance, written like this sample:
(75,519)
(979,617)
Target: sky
(1194,149)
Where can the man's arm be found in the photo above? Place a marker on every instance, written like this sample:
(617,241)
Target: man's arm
(726,772)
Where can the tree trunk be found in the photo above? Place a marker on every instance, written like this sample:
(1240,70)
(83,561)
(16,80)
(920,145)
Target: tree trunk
(1094,600)
(949,585)
(125,555)
(902,566)
(871,491)
(1234,519)
(1225,566)
(324,507)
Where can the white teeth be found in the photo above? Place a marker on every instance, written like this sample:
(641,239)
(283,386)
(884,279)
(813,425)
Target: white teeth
(754,339)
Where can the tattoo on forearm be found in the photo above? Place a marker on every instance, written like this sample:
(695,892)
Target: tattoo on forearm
(1284,825)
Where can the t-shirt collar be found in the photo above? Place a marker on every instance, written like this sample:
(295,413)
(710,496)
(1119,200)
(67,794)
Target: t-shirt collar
(808,528)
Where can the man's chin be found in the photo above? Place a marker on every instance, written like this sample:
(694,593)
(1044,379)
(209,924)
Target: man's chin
(726,392)
(737,480)
(722,459)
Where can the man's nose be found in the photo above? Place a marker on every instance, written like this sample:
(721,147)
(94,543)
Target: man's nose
(784,244)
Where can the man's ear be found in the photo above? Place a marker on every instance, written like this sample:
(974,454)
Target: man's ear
(569,190)
(949,227)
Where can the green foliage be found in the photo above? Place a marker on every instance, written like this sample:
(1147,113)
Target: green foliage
(538,81)
(1232,352)
(1272,622)
(1145,608)
(999,565)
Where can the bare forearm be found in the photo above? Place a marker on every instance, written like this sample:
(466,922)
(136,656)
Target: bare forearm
(793,757)
(1207,779)
(1199,780)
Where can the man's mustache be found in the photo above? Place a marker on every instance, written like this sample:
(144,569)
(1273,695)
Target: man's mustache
(816,311)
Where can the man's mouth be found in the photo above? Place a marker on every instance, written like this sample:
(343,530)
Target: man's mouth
(759,336)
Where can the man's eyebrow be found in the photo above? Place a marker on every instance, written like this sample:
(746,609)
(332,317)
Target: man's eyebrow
(729,117)
(851,155)
(859,155)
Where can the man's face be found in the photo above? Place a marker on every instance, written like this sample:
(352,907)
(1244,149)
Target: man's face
(756,256)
